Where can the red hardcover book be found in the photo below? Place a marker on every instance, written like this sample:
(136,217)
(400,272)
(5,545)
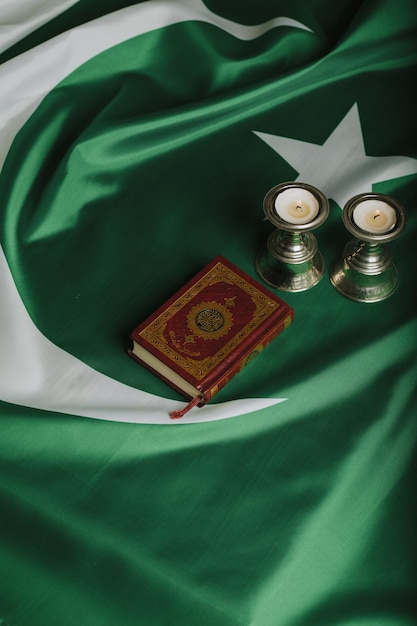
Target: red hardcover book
(209,330)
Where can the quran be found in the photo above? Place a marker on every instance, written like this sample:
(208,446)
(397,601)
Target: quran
(208,331)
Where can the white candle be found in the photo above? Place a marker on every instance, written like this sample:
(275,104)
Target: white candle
(374,216)
(296,205)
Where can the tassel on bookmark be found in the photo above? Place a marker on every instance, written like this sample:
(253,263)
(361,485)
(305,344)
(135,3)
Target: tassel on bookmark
(176,414)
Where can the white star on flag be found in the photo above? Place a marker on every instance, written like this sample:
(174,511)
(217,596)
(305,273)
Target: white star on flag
(340,167)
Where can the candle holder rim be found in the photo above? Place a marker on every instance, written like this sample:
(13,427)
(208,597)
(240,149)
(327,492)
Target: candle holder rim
(276,220)
(363,235)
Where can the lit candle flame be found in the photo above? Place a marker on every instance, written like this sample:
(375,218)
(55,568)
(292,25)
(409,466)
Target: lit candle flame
(296,206)
(374,216)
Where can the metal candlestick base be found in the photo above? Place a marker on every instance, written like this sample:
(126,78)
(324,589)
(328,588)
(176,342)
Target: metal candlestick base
(290,260)
(366,273)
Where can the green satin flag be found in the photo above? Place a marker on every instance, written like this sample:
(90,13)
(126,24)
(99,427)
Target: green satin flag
(138,141)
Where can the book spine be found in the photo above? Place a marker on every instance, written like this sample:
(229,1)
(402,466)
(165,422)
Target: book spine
(216,382)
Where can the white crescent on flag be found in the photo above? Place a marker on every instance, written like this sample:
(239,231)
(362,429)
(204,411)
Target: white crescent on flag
(19,19)
(34,371)
(26,79)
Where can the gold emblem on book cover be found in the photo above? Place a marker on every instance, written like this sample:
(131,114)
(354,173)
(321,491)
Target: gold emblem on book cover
(209,320)
(199,368)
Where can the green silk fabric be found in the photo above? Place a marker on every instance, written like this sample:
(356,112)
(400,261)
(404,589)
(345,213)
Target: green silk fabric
(133,173)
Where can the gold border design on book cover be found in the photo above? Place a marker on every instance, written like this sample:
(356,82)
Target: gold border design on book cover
(154,332)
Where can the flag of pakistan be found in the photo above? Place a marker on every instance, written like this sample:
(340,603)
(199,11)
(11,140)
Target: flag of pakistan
(137,141)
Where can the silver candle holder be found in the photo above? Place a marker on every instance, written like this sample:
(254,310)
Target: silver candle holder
(365,272)
(291,260)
